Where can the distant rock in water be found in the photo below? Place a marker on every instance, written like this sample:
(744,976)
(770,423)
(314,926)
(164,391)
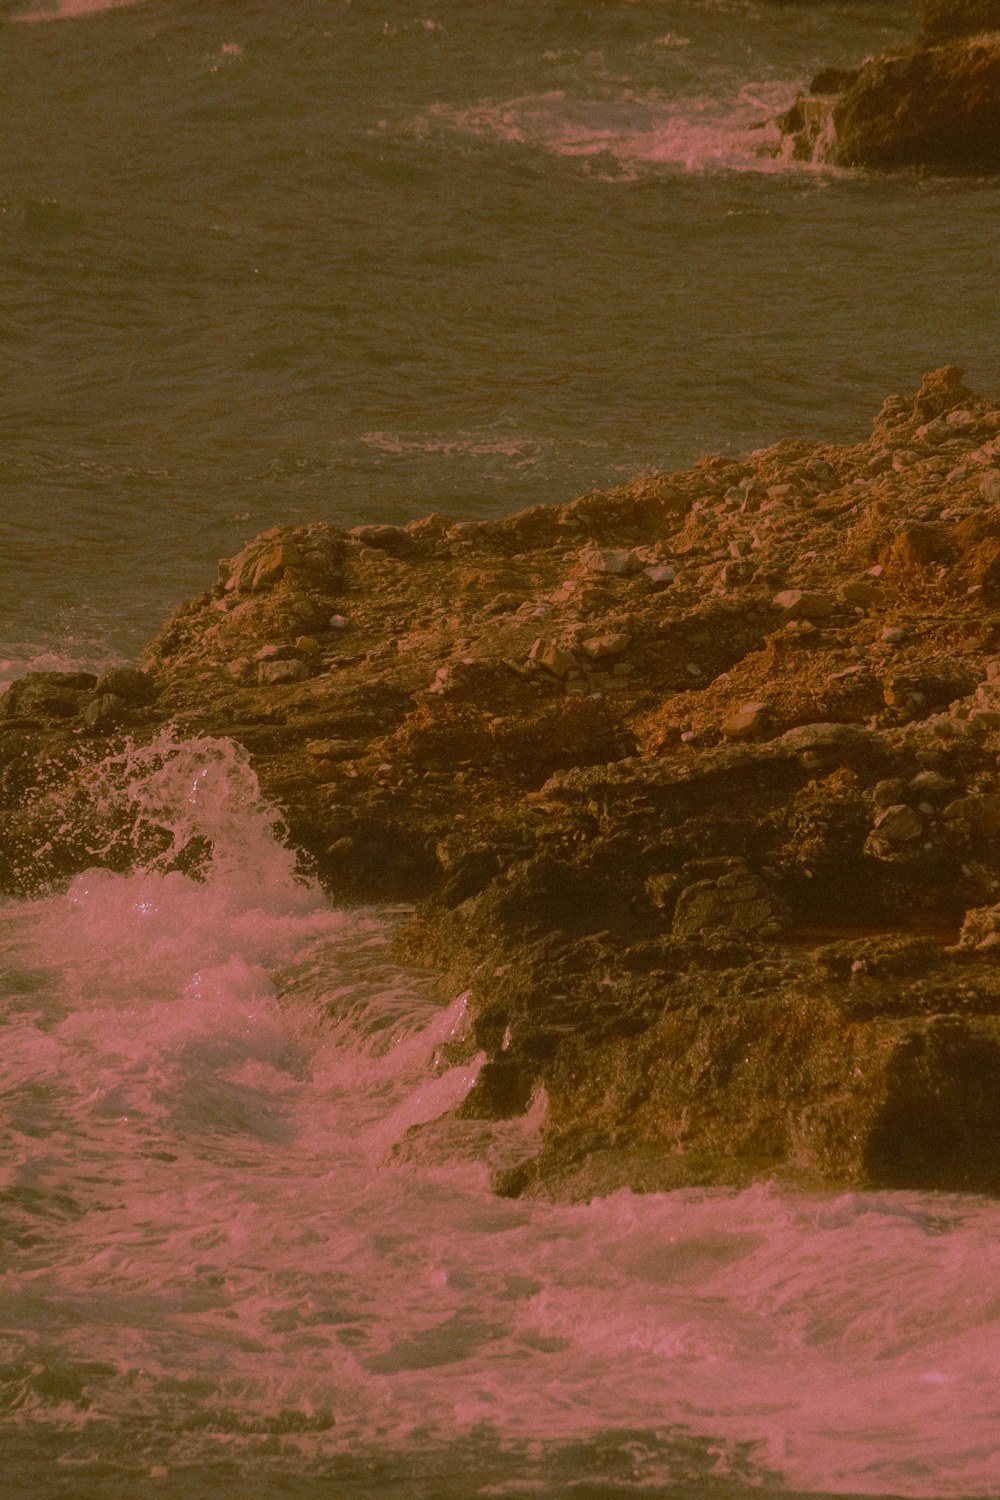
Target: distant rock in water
(936,104)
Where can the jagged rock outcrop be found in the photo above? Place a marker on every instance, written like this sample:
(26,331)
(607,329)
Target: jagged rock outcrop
(695,783)
(935,104)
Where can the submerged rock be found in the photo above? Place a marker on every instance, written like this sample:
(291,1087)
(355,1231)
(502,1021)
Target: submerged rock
(718,862)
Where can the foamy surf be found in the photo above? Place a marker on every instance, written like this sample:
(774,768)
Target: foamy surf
(635,136)
(244,1230)
(66,10)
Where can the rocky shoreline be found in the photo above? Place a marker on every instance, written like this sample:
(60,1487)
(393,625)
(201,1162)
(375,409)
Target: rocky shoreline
(695,785)
(934,104)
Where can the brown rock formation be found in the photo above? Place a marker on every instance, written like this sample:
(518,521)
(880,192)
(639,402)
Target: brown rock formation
(696,784)
(936,104)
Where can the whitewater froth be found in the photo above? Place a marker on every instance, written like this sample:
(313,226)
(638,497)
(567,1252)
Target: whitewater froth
(636,135)
(243,1222)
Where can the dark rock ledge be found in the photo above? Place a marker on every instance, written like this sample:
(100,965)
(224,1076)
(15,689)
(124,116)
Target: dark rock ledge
(695,785)
(934,104)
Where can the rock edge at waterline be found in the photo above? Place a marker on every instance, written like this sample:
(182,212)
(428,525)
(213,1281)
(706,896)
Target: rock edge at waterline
(934,104)
(695,783)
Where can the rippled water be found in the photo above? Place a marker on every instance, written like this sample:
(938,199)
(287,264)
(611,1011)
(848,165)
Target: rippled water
(357,261)
(243,1243)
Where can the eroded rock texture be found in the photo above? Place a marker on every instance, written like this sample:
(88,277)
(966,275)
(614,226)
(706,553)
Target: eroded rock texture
(935,104)
(695,785)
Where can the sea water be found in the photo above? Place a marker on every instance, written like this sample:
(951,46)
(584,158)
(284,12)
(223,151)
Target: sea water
(247,1248)
(356,260)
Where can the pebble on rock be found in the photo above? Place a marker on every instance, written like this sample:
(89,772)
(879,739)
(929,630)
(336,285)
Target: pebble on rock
(555,659)
(749,721)
(613,562)
(273,672)
(803,604)
(900,823)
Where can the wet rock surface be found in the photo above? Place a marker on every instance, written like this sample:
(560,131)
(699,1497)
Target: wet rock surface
(695,786)
(934,104)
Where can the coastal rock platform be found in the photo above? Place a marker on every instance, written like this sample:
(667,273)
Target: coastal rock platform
(694,786)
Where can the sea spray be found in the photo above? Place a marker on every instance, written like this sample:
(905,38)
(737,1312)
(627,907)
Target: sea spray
(245,1234)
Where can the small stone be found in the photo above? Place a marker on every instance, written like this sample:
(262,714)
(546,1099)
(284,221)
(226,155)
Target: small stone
(661,573)
(337,622)
(893,635)
(887,793)
(899,823)
(802,604)
(736,902)
(981,928)
(613,563)
(934,431)
(931,781)
(281,670)
(989,487)
(827,737)
(555,659)
(310,615)
(599,646)
(749,721)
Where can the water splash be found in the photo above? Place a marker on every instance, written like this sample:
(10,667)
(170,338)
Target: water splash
(204,795)
(246,1233)
(635,136)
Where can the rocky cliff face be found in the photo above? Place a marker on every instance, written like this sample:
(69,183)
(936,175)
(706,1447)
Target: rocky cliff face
(695,783)
(936,104)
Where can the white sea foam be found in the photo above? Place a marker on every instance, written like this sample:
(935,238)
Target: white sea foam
(237,1202)
(524,451)
(64,10)
(635,135)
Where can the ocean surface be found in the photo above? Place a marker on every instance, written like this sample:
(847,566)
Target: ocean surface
(358,260)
